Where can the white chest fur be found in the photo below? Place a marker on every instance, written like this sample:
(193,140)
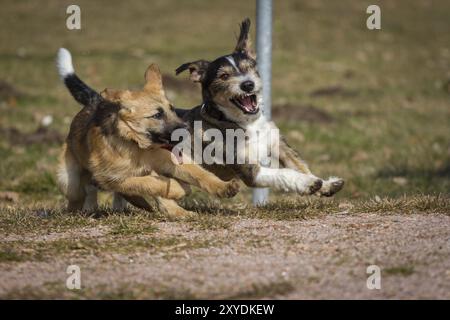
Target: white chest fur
(263,142)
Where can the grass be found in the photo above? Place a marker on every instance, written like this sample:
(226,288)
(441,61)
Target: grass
(138,230)
(399,270)
(133,291)
(13,251)
(21,221)
(393,125)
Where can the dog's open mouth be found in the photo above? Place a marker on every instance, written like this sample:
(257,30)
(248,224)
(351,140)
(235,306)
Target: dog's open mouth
(161,139)
(168,145)
(246,102)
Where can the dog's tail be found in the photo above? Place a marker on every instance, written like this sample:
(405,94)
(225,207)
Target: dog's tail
(79,90)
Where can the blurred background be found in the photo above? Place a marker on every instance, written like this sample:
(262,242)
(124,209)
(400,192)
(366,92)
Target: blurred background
(369,106)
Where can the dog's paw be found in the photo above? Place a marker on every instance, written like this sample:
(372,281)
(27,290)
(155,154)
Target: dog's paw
(307,185)
(315,186)
(171,210)
(289,180)
(179,214)
(177,189)
(229,190)
(331,186)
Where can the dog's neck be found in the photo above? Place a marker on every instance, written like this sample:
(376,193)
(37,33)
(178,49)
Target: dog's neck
(210,112)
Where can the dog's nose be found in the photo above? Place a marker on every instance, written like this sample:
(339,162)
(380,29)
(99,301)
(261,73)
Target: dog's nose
(247,86)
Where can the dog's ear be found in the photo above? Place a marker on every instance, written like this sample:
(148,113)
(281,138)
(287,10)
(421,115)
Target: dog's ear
(153,78)
(116,96)
(243,43)
(197,69)
(110,94)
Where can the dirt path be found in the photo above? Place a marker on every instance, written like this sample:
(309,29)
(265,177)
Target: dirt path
(324,257)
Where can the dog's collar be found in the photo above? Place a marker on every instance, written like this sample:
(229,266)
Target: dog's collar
(216,117)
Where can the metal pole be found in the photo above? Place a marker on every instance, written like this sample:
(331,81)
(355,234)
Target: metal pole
(264,59)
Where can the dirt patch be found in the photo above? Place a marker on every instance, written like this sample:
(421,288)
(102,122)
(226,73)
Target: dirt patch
(42,135)
(54,236)
(309,113)
(324,257)
(8,92)
(9,196)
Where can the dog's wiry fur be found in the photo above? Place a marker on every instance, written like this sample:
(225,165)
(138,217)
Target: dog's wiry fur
(231,91)
(118,142)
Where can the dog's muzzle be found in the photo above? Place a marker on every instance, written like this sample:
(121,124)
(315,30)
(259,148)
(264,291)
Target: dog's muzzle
(247,102)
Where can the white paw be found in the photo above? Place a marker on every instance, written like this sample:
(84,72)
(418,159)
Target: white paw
(331,186)
(292,181)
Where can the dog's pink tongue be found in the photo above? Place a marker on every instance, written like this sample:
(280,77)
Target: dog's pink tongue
(176,153)
(247,103)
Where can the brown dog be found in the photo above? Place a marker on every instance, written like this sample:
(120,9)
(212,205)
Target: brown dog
(118,142)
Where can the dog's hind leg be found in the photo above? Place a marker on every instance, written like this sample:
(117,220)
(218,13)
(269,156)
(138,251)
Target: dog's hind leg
(69,180)
(90,201)
(119,203)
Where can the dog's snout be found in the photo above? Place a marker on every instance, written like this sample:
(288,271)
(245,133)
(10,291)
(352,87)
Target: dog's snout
(247,86)
(179,125)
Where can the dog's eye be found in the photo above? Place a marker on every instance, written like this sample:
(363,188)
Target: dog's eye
(224,76)
(157,115)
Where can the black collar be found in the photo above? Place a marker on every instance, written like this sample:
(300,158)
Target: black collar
(211,114)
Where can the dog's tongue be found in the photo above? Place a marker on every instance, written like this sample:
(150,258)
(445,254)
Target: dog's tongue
(167,147)
(176,154)
(248,103)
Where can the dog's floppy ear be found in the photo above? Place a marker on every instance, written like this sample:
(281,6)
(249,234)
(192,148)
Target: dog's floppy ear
(197,69)
(243,43)
(153,78)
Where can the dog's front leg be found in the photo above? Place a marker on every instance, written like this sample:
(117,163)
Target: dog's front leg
(289,158)
(172,209)
(152,186)
(199,177)
(195,175)
(283,179)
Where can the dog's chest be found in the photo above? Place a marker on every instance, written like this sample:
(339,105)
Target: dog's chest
(259,144)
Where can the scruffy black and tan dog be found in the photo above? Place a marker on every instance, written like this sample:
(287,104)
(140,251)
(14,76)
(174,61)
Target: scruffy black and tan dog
(231,91)
(118,142)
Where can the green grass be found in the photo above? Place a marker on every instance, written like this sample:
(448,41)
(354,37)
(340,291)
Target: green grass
(394,124)
(400,270)
(387,135)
